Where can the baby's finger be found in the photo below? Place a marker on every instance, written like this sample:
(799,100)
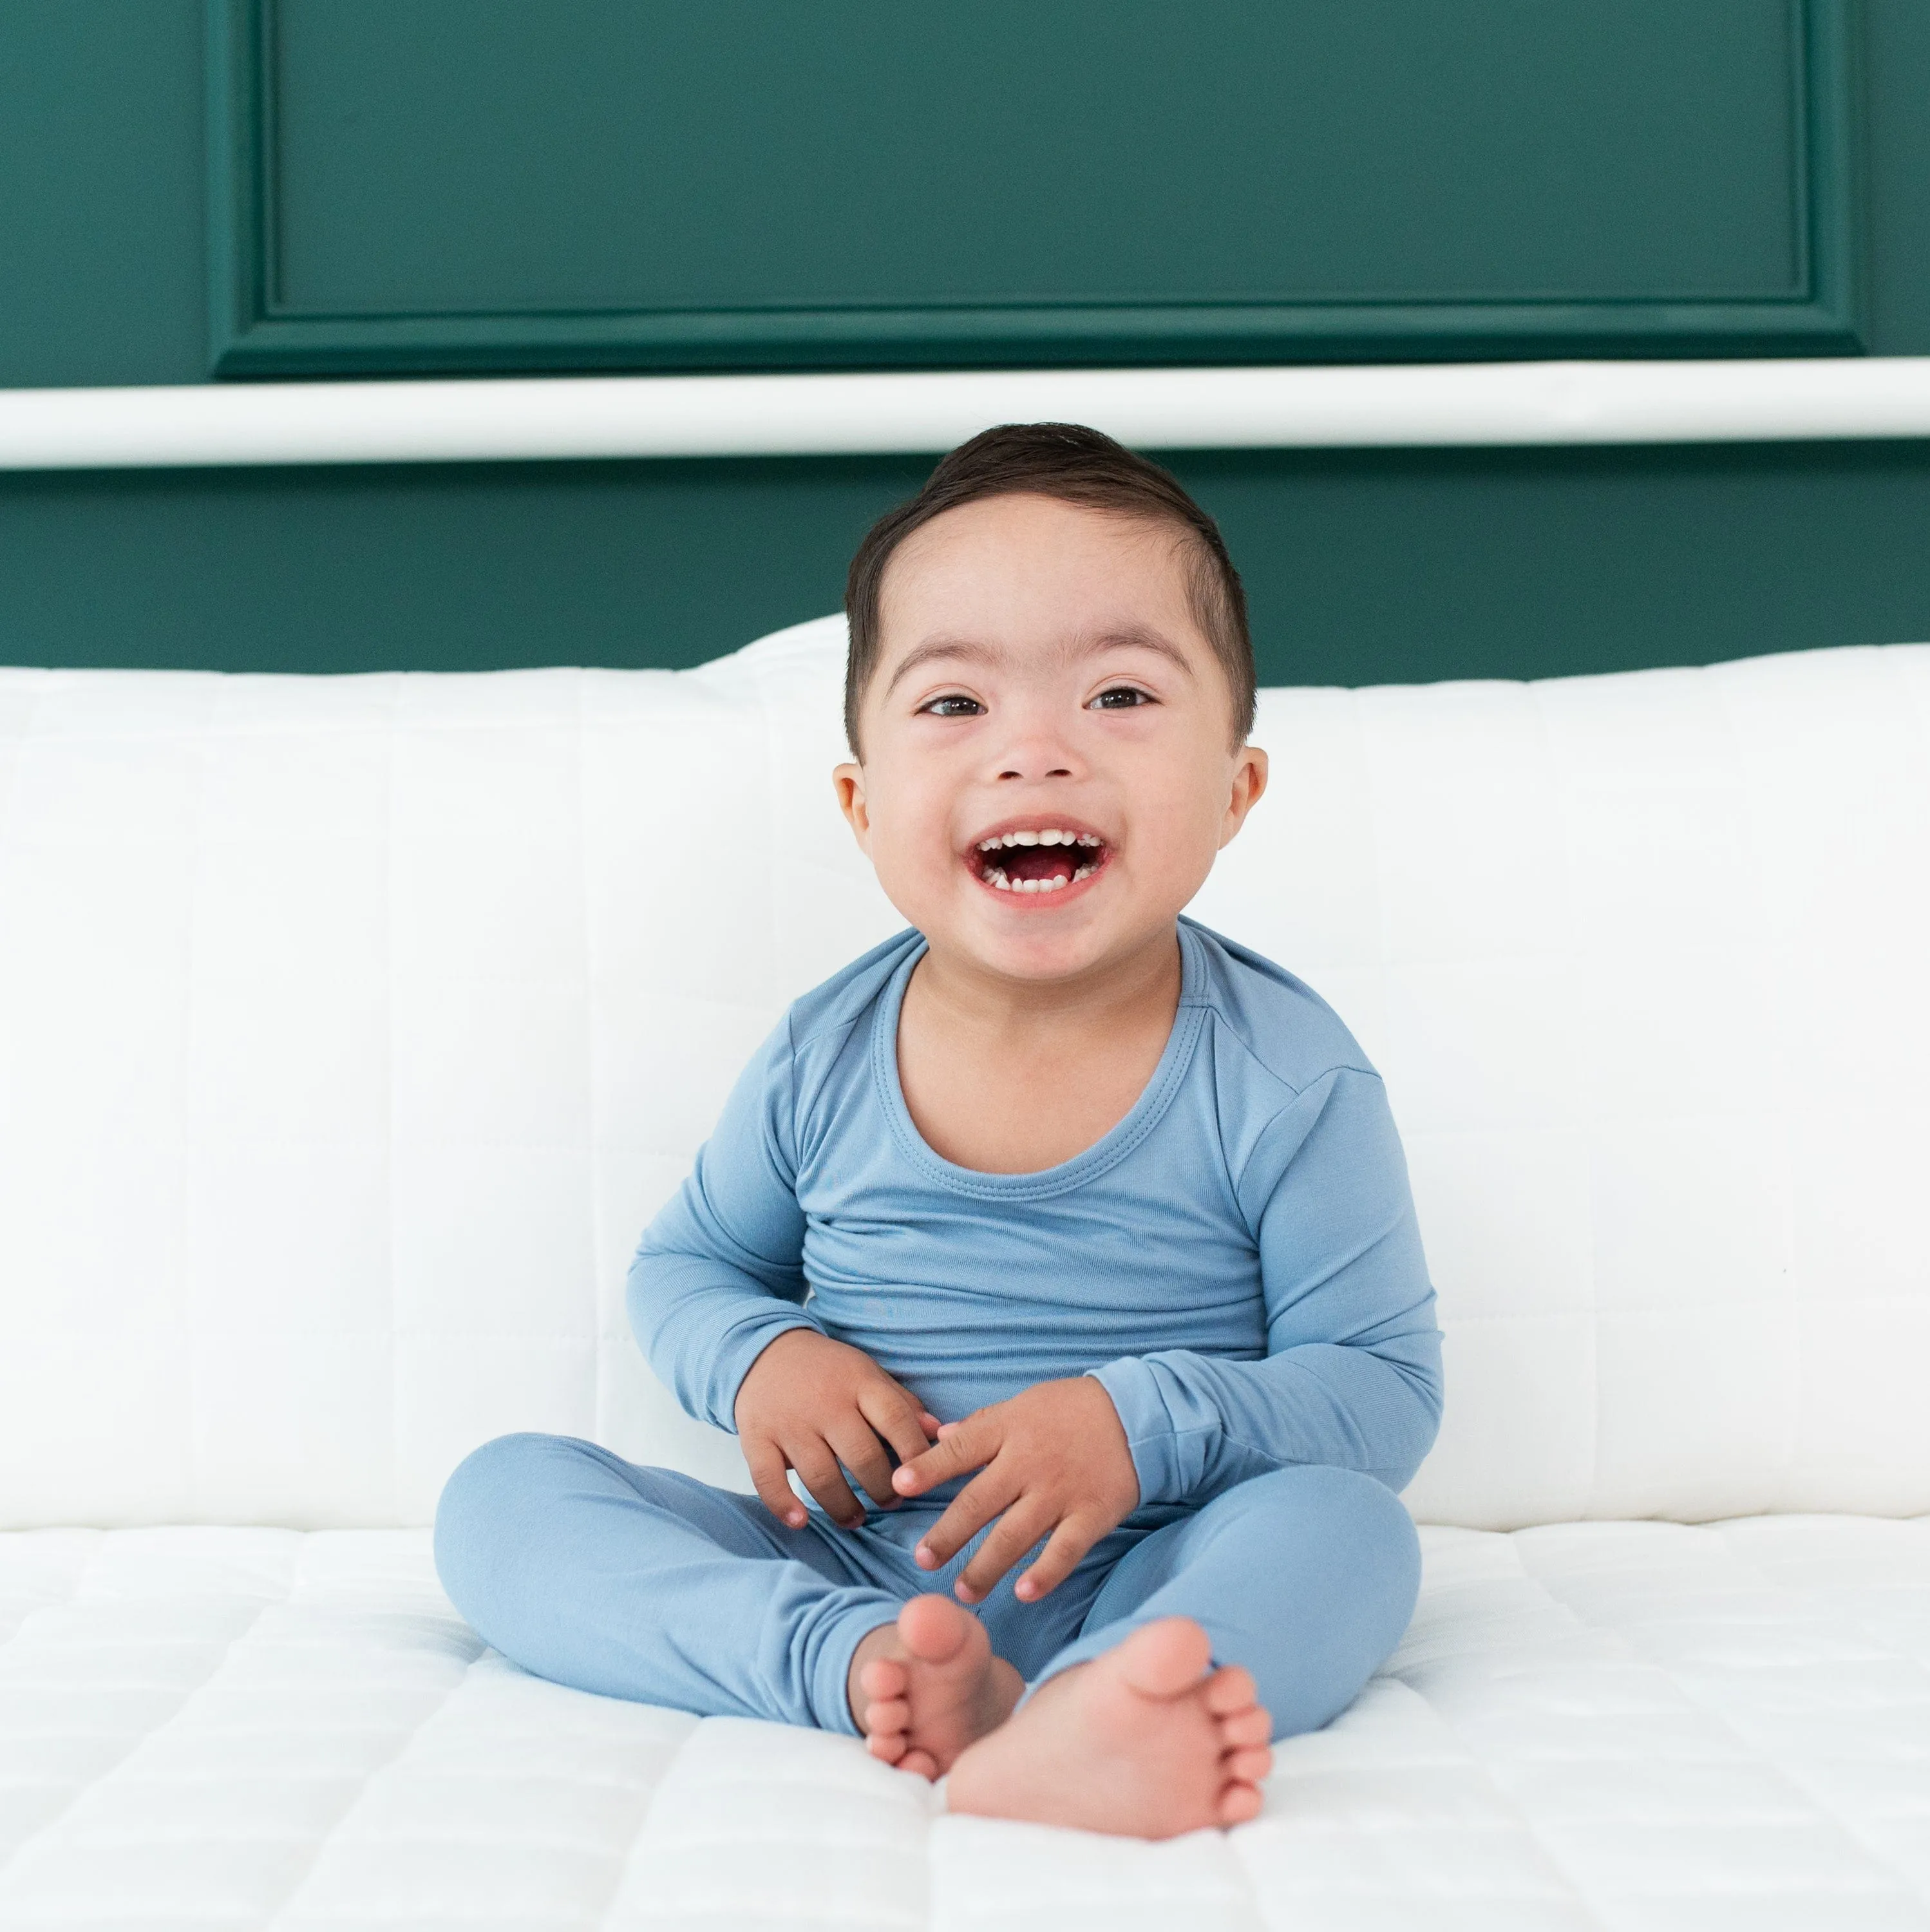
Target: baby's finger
(895,1417)
(1057,1560)
(962,1447)
(1017,1531)
(766,1462)
(971,1510)
(863,1455)
(931,1424)
(817,1468)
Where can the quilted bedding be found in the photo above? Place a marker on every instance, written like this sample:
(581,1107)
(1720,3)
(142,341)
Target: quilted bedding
(1600,1725)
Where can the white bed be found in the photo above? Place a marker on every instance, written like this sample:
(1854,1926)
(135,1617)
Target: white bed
(351,1029)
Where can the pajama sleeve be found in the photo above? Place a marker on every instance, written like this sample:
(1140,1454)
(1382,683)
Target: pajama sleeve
(1351,1377)
(719,1274)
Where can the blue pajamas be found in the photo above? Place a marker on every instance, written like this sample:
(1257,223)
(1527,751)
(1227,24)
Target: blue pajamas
(1236,1262)
(647,1584)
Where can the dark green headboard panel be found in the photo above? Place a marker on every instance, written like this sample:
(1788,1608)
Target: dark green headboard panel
(425,184)
(1362,566)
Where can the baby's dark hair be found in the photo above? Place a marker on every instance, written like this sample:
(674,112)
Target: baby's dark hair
(1075,465)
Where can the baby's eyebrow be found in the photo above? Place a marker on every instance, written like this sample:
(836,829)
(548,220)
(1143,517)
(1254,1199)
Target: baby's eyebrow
(1141,637)
(936,650)
(1130,637)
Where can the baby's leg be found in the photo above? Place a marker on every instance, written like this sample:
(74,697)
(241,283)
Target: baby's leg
(1264,1614)
(644,1583)
(1308,1576)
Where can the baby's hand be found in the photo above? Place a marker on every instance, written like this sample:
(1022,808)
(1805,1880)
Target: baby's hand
(1055,1463)
(810,1403)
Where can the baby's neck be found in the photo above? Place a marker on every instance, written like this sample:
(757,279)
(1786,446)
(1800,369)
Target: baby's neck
(1012,1077)
(1139,985)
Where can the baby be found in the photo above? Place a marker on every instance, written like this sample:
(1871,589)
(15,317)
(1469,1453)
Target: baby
(1074,1237)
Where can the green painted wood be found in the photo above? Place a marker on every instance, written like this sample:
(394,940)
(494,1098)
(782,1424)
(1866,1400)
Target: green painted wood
(103,226)
(102,243)
(1362,566)
(486,183)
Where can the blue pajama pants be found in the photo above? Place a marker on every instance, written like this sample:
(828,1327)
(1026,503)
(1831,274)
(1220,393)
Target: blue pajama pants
(643,1583)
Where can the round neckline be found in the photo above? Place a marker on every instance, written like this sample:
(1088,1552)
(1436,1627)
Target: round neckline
(1112,1146)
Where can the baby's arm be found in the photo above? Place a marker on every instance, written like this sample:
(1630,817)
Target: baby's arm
(1351,1377)
(714,1296)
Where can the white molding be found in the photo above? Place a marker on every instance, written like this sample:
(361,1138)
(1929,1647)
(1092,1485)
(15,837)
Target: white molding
(506,419)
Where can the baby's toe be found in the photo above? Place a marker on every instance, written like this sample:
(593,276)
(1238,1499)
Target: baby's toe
(884,1677)
(887,1714)
(1167,1658)
(1238,1803)
(1231,1689)
(1249,1726)
(1249,1766)
(923,1763)
(888,1745)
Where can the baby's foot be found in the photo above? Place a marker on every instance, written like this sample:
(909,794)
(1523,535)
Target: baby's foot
(1145,1741)
(923,1688)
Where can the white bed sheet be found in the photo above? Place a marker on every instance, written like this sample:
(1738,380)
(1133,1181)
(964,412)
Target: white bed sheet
(1596,1725)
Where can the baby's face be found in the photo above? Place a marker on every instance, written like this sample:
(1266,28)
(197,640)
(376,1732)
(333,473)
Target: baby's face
(1048,771)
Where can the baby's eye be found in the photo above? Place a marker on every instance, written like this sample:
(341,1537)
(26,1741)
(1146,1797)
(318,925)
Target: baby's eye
(954,704)
(1121,698)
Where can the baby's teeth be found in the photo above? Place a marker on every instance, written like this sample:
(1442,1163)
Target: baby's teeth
(1084,872)
(999,880)
(1049,834)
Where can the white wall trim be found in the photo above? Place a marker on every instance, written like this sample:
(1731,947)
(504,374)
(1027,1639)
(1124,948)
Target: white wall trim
(502,419)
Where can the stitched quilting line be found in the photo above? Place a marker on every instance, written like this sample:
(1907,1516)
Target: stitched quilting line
(1577,1905)
(299,1882)
(592,1120)
(1745,792)
(1505,1800)
(1791,1770)
(85,1789)
(1746,1751)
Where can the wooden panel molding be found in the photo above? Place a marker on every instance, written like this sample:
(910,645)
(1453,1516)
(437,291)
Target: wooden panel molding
(433,186)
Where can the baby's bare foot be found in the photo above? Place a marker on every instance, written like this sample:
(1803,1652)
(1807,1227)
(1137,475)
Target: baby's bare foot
(923,1688)
(1145,1741)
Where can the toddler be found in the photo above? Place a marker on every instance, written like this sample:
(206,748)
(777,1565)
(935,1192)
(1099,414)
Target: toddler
(1060,1247)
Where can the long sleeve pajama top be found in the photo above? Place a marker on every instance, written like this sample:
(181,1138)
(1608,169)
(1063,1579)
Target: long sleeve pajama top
(1238,1260)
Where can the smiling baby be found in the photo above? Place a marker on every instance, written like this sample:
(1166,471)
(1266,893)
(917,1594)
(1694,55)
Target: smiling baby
(1072,1238)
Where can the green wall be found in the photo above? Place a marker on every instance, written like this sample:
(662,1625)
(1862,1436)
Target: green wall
(1363,566)
(427,184)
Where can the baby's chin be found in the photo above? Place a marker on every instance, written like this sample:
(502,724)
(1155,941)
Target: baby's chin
(1039,940)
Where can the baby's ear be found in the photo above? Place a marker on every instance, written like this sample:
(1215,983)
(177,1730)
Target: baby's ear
(1250,780)
(848,782)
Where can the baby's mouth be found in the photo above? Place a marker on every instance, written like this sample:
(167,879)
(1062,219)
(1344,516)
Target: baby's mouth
(1047,860)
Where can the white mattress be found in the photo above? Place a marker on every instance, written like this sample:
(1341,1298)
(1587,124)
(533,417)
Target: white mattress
(1599,1725)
